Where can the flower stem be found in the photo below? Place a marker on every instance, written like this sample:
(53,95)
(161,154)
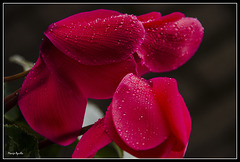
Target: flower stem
(11,100)
(16,76)
(45,143)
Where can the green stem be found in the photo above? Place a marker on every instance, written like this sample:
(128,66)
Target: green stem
(16,76)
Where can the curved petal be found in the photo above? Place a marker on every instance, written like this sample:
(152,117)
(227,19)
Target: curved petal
(149,18)
(85,17)
(50,106)
(141,67)
(174,108)
(97,40)
(136,114)
(170,42)
(98,82)
(164,150)
(92,141)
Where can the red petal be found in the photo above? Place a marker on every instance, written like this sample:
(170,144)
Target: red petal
(97,37)
(161,151)
(85,17)
(170,42)
(51,107)
(92,141)
(175,16)
(141,68)
(136,114)
(99,82)
(149,18)
(174,109)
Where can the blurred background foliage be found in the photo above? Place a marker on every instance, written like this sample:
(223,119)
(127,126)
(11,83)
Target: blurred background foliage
(207,82)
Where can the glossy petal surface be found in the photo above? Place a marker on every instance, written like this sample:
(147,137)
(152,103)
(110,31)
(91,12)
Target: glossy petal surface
(93,140)
(99,82)
(136,114)
(174,109)
(102,37)
(141,67)
(170,42)
(161,151)
(51,107)
(149,18)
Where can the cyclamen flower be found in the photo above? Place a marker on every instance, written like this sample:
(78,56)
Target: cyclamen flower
(54,94)
(86,56)
(145,118)
(170,41)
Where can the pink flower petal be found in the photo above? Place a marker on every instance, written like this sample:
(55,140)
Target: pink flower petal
(136,114)
(174,109)
(164,150)
(51,107)
(175,16)
(175,114)
(149,18)
(99,81)
(170,42)
(85,17)
(93,140)
(141,68)
(97,37)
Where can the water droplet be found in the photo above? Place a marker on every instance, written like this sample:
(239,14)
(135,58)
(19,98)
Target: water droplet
(66,38)
(163,41)
(119,41)
(123,100)
(190,27)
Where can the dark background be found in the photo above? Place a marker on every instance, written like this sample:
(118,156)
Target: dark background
(207,82)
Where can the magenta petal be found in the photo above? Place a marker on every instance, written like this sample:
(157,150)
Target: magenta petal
(136,115)
(174,109)
(168,18)
(85,17)
(97,40)
(170,42)
(51,107)
(149,18)
(92,141)
(163,150)
(98,82)
(141,68)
